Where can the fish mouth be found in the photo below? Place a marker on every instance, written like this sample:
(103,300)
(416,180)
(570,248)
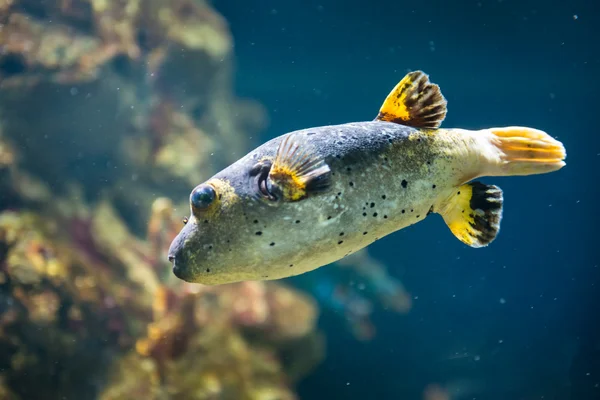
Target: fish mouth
(179,269)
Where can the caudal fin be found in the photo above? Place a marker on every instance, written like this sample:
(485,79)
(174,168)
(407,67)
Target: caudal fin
(523,151)
(473,213)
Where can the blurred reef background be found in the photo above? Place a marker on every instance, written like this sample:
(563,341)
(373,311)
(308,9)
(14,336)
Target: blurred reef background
(111,111)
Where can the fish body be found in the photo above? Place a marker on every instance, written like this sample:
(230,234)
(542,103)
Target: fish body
(313,196)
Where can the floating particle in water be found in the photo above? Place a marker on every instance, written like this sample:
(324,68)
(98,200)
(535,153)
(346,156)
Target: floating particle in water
(502,301)
(477,358)
(431,46)
(575,17)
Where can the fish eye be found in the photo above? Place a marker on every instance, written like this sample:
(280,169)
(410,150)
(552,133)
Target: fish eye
(202,197)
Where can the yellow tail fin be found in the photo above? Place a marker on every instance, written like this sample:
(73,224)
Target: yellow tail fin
(524,151)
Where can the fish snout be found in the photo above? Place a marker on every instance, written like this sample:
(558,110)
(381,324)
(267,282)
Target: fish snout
(180,269)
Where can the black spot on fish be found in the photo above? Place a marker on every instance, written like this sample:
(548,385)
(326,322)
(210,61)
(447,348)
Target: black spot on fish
(404,183)
(374,214)
(206,221)
(364,214)
(351,183)
(210,247)
(383,196)
(433,187)
(258,233)
(385,216)
(411,210)
(372,205)
(310,133)
(403,211)
(207,269)
(418,216)
(348,169)
(338,156)
(340,242)
(329,217)
(291,265)
(458,193)
(431,210)
(339,193)
(297,221)
(256,221)
(428,162)
(341,233)
(272,244)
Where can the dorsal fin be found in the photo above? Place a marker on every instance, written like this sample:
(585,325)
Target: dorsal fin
(414,102)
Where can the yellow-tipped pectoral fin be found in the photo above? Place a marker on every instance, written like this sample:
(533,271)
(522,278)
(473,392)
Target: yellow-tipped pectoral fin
(297,171)
(473,213)
(415,101)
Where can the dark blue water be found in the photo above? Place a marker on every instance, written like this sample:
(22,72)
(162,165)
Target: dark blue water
(525,310)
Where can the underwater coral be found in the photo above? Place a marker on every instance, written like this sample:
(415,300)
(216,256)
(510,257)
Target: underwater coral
(109,109)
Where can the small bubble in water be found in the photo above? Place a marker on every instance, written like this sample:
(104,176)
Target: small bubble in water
(74,91)
(502,301)
(575,17)
(477,358)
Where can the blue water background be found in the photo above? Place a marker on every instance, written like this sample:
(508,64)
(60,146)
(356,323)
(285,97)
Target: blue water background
(524,309)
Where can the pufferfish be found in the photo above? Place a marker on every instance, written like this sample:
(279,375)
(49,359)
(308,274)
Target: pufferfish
(311,197)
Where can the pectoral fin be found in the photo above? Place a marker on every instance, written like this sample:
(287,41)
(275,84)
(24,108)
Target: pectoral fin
(473,213)
(298,171)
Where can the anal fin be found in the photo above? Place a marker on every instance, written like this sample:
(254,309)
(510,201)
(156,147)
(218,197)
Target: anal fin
(414,101)
(473,213)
